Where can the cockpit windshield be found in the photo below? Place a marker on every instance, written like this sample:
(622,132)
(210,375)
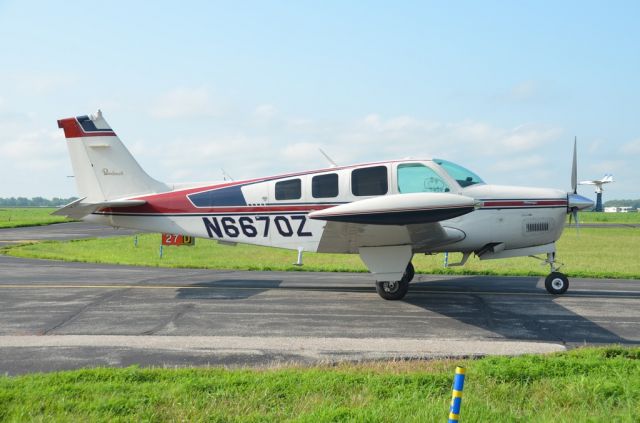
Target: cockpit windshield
(463,176)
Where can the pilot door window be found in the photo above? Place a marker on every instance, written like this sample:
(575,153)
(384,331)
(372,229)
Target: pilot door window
(416,177)
(369,181)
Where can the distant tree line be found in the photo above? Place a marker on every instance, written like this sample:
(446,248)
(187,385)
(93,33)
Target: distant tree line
(623,203)
(35,202)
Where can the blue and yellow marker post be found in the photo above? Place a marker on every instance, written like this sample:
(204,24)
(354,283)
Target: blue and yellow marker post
(456,395)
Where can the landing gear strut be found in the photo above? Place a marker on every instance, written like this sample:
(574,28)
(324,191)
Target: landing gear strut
(556,283)
(396,290)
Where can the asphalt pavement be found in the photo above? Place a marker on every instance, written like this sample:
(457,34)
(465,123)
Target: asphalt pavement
(68,315)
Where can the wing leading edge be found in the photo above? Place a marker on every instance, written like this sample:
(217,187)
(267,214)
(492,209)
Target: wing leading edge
(399,209)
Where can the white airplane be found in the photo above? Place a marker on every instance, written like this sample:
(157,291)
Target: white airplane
(385,211)
(606,179)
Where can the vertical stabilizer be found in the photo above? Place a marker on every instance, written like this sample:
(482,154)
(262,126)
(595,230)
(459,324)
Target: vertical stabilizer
(103,167)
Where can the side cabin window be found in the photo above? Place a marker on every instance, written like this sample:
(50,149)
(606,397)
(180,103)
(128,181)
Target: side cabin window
(370,181)
(324,186)
(416,177)
(288,190)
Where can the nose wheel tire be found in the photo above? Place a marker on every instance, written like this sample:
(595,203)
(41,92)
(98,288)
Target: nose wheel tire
(556,283)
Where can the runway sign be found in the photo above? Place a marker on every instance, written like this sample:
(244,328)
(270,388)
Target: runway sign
(178,240)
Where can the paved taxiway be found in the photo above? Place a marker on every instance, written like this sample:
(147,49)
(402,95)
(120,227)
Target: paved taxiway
(58,232)
(57,315)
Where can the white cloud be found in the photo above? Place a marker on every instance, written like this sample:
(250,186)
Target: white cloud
(525,90)
(632,147)
(303,154)
(531,154)
(603,167)
(406,135)
(38,150)
(265,112)
(33,161)
(520,164)
(185,103)
(594,146)
(39,83)
(197,159)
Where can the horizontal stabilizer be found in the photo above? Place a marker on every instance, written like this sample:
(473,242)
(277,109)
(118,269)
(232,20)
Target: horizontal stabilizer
(399,209)
(78,208)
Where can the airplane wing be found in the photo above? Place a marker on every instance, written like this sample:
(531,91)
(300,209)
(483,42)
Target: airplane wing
(350,237)
(78,209)
(403,219)
(399,209)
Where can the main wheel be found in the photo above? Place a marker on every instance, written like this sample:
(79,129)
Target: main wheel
(556,283)
(395,290)
(409,273)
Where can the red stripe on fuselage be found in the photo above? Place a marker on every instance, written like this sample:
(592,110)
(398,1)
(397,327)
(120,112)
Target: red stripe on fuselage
(149,209)
(178,203)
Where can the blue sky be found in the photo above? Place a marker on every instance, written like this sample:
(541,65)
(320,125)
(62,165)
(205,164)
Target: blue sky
(256,87)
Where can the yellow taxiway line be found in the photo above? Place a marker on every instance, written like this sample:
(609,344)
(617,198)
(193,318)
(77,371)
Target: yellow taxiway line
(293,288)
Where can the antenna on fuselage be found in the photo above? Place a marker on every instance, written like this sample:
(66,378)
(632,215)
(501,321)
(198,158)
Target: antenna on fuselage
(226,176)
(333,164)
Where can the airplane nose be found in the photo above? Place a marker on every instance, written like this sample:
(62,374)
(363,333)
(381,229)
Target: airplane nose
(578,202)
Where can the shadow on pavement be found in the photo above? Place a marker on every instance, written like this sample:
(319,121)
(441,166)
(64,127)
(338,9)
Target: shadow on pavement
(512,308)
(227,289)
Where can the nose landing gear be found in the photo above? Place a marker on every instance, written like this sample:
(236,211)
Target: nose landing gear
(556,283)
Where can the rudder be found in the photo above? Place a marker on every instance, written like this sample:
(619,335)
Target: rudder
(103,167)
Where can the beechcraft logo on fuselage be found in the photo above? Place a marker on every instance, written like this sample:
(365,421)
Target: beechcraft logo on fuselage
(259,226)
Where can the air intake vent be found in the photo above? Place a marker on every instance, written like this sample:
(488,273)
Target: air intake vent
(537,227)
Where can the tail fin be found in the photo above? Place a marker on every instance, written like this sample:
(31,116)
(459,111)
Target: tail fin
(103,167)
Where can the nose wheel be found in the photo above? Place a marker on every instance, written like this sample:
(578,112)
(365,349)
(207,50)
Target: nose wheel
(556,283)
(396,290)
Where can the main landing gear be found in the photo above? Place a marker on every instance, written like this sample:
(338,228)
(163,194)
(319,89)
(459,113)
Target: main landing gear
(556,283)
(396,290)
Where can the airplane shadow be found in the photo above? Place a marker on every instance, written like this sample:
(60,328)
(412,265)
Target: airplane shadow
(227,289)
(511,308)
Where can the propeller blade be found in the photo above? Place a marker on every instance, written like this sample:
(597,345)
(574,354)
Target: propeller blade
(570,218)
(574,168)
(575,215)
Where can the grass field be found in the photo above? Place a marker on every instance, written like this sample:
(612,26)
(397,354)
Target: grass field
(593,217)
(610,253)
(581,385)
(17,217)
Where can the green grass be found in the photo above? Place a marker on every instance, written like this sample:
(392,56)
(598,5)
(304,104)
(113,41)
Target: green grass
(581,385)
(603,253)
(593,217)
(17,217)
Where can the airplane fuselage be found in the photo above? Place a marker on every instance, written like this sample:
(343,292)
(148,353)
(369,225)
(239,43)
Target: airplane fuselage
(274,211)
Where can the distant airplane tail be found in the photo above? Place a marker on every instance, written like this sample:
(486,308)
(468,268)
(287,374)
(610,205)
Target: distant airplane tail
(104,169)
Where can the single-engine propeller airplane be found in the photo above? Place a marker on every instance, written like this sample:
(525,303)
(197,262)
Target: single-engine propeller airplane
(386,211)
